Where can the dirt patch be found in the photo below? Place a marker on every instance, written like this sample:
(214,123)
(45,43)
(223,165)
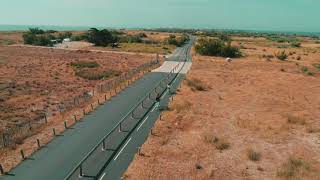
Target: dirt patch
(258,120)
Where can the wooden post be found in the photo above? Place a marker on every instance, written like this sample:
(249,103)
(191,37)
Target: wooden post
(103,145)
(84,112)
(139,151)
(105,97)
(3,140)
(54,132)
(65,125)
(160,117)
(80,171)
(98,102)
(38,143)
(22,155)
(75,118)
(91,107)
(1,170)
(45,119)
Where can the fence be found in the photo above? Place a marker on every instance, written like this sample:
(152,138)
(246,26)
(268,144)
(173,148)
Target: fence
(16,135)
(153,96)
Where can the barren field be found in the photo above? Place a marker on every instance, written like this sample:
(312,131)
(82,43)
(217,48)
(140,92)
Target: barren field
(254,118)
(34,81)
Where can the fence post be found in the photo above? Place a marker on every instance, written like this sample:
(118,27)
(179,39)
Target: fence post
(105,97)
(65,125)
(54,132)
(22,155)
(84,112)
(38,143)
(91,107)
(75,118)
(103,145)
(45,119)
(3,140)
(1,170)
(98,102)
(80,171)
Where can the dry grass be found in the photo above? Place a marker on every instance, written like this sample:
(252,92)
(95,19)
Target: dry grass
(254,155)
(196,85)
(296,120)
(293,167)
(180,106)
(221,144)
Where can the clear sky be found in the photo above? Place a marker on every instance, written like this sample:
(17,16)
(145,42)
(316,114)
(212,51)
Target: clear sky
(279,15)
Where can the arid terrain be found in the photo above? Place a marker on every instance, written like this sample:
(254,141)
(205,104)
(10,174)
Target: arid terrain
(35,80)
(253,118)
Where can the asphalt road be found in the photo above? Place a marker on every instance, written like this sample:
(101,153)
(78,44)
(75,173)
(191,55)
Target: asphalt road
(60,157)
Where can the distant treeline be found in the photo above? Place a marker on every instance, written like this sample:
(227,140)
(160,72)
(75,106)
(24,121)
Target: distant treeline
(215,32)
(104,37)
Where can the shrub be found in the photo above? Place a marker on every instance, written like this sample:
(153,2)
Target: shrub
(64,35)
(36,31)
(101,37)
(196,84)
(296,44)
(296,120)
(221,144)
(282,55)
(173,40)
(37,37)
(225,37)
(213,47)
(317,66)
(305,70)
(84,64)
(292,167)
(131,39)
(253,155)
(97,75)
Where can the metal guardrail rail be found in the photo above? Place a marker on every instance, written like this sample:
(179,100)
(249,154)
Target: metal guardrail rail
(132,109)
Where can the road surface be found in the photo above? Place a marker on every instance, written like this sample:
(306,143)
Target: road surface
(61,157)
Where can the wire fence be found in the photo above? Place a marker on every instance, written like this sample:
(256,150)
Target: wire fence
(16,134)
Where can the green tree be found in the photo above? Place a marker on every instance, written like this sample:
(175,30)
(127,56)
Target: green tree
(101,37)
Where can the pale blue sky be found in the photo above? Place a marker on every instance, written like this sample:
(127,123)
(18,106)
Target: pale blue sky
(283,15)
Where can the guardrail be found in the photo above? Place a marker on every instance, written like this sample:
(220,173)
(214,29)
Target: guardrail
(130,113)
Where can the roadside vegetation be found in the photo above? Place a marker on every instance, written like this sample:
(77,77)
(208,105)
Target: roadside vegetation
(84,64)
(178,41)
(217,47)
(39,37)
(93,75)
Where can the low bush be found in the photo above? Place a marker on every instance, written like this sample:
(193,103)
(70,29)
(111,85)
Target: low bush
(295,44)
(221,144)
(92,75)
(84,64)
(214,47)
(196,84)
(282,55)
(317,66)
(306,71)
(253,155)
(292,167)
(178,41)
(296,120)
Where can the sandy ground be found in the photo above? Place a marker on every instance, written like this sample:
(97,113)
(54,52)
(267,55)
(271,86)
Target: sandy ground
(34,79)
(267,109)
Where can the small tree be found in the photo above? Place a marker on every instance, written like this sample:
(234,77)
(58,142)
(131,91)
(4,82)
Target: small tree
(101,37)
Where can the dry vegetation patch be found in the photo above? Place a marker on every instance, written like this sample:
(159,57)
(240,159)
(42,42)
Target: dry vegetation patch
(250,103)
